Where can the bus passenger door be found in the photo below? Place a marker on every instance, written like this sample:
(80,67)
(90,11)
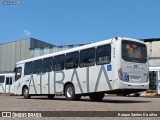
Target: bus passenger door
(45,83)
(8,85)
(152,80)
(2,88)
(2,84)
(37,82)
(17,83)
(158,82)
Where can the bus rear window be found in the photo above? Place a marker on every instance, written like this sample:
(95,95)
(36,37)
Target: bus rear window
(134,52)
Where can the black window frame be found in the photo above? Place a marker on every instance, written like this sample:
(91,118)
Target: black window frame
(2,79)
(37,66)
(72,60)
(47,64)
(17,77)
(8,80)
(58,62)
(87,57)
(28,68)
(105,52)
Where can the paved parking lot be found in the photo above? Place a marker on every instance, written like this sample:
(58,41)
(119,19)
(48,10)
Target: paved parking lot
(109,103)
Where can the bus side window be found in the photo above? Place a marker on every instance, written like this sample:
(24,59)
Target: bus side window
(87,57)
(58,63)
(28,68)
(8,81)
(37,66)
(103,54)
(72,60)
(2,79)
(18,73)
(47,65)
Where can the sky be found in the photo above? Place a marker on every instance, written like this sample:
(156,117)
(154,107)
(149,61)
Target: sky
(64,22)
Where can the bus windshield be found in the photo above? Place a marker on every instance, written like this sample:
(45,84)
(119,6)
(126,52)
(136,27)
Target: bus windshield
(134,51)
(1,79)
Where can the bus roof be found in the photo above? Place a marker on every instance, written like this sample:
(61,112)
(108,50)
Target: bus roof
(78,48)
(154,68)
(7,74)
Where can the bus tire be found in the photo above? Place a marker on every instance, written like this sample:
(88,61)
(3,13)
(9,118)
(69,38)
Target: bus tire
(51,96)
(70,93)
(26,94)
(96,96)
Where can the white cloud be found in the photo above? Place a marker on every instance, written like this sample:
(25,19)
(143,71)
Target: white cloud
(27,32)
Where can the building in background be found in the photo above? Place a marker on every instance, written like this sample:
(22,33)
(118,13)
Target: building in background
(12,52)
(153,47)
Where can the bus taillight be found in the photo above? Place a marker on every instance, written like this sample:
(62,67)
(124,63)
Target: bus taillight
(120,73)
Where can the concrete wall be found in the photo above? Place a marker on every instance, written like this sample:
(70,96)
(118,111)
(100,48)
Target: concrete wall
(153,48)
(12,52)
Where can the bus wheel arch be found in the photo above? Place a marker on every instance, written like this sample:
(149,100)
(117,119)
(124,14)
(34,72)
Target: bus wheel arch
(67,83)
(25,92)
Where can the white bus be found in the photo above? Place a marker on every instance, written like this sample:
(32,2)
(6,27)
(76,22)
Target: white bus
(118,65)
(154,79)
(7,83)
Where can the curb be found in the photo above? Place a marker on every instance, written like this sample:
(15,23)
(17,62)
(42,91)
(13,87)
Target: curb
(6,94)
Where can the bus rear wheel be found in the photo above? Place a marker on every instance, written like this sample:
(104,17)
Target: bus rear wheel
(70,93)
(96,96)
(26,94)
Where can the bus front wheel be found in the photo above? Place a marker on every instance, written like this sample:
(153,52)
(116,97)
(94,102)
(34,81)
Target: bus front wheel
(26,93)
(70,93)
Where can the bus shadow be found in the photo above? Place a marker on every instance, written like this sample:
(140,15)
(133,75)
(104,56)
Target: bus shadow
(116,101)
(125,101)
(88,100)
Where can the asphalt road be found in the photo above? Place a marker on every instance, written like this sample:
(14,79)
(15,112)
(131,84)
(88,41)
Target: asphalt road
(109,103)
